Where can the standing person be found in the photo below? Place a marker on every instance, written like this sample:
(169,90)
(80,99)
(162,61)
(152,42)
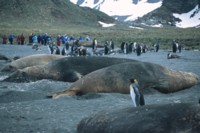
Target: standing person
(11,38)
(18,39)
(4,38)
(80,38)
(136,95)
(44,39)
(94,45)
(49,41)
(58,40)
(64,39)
(22,39)
(87,38)
(30,39)
(39,39)
(35,40)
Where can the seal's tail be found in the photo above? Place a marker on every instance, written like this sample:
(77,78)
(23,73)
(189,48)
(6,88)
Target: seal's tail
(62,94)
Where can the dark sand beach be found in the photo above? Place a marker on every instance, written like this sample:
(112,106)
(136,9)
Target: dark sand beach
(24,107)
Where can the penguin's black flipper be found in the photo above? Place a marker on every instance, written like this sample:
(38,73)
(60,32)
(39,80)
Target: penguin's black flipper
(142,101)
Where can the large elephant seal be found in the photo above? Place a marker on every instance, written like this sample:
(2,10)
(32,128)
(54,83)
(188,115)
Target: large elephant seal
(67,69)
(115,78)
(28,61)
(166,118)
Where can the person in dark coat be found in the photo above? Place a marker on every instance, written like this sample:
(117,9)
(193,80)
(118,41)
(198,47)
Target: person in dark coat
(22,39)
(11,38)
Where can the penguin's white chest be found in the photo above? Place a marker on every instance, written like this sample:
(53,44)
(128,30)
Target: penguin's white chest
(132,93)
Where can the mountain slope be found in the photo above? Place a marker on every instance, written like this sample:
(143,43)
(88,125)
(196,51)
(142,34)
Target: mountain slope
(123,10)
(180,13)
(171,14)
(48,13)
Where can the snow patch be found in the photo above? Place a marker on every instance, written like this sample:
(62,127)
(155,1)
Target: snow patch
(155,25)
(139,28)
(74,1)
(190,19)
(105,25)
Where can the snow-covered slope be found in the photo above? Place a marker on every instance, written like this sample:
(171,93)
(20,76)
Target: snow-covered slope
(123,10)
(190,19)
(150,12)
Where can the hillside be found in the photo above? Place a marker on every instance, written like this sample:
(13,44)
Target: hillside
(164,15)
(48,14)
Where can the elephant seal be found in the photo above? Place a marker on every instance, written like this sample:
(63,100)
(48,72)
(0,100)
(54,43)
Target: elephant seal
(115,78)
(28,61)
(67,69)
(165,118)
(3,57)
(172,56)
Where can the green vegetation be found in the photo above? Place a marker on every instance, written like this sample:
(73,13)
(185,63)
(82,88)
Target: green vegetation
(164,36)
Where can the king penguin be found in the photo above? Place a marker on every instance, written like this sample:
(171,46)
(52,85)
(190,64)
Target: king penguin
(136,96)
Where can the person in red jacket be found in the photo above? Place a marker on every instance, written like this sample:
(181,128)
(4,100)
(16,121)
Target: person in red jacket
(5,38)
(58,40)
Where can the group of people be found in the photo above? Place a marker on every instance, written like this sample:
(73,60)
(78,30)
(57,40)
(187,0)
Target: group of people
(44,39)
(10,39)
